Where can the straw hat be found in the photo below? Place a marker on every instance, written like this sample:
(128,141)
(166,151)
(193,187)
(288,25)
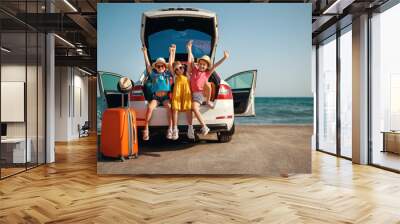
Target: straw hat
(206,59)
(159,61)
(125,84)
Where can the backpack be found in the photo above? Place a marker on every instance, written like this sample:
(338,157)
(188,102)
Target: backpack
(148,84)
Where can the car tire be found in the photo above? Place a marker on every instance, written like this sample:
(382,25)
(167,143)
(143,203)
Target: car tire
(140,138)
(226,136)
(196,138)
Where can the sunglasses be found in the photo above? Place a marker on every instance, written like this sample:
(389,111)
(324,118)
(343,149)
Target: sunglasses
(160,66)
(179,67)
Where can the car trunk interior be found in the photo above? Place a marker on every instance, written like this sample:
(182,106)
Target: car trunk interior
(179,23)
(114,99)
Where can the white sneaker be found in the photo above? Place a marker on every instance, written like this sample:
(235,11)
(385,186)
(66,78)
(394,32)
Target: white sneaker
(175,134)
(205,130)
(145,134)
(190,132)
(169,133)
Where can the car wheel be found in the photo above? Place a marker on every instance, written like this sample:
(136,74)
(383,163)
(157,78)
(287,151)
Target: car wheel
(140,138)
(226,136)
(196,138)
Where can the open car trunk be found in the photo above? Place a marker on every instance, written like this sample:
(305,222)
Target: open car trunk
(161,28)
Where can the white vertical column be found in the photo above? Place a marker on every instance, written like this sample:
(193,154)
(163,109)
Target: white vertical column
(360,90)
(50,92)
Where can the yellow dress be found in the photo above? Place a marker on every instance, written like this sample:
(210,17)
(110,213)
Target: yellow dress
(181,94)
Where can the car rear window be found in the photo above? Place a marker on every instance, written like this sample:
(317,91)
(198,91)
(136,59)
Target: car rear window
(160,41)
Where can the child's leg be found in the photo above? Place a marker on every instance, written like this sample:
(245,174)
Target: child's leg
(207,93)
(189,117)
(167,104)
(196,110)
(175,131)
(149,112)
(175,118)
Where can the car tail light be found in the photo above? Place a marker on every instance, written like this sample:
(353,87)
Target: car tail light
(137,94)
(224,92)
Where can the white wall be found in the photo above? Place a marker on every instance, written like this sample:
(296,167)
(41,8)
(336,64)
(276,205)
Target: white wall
(80,85)
(62,82)
(12,73)
(33,127)
(70,83)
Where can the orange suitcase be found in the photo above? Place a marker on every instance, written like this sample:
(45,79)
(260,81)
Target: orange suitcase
(119,133)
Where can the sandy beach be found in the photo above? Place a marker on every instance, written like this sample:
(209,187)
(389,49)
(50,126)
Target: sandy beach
(254,149)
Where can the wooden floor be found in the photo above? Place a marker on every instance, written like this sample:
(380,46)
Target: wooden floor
(70,191)
(387,159)
(5,172)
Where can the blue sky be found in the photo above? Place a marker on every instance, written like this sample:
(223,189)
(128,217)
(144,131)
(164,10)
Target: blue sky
(274,38)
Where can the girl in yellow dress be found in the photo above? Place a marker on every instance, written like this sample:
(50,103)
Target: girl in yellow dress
(181,95)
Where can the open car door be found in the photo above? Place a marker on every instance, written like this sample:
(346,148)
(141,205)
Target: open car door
(243,86)
(108,95)
(108,83)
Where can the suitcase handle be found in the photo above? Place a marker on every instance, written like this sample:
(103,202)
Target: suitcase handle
(131,132)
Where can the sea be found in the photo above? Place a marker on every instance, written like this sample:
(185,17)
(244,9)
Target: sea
(280,110)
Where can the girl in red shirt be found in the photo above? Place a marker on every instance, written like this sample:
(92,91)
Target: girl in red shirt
(201,71)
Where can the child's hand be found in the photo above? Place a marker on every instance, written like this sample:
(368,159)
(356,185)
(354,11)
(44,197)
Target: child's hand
(172,48)
(189,45)
(144,49)
(226,55)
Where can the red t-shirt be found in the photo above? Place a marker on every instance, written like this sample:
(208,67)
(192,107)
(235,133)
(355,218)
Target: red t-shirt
(198,79)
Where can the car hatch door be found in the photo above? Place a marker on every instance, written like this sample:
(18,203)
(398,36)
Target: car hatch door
(243,85)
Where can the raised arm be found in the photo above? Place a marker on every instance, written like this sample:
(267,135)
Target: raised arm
(146,60)
(226,56)
(190,59)
(172,52)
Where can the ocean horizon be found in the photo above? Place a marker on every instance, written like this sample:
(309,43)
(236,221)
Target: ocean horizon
(281,110)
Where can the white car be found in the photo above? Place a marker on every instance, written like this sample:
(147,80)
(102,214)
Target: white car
(161,28)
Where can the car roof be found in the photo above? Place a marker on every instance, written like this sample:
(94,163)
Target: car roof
(193,12)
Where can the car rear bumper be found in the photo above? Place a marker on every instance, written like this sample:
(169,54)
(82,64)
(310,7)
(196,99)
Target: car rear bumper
(221,118)
(183,128)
